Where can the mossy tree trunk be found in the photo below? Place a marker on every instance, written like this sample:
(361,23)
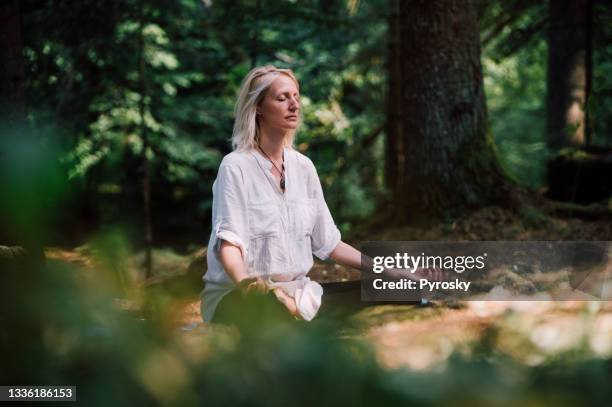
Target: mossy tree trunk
(449,163)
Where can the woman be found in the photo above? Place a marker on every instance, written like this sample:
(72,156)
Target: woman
(269,214)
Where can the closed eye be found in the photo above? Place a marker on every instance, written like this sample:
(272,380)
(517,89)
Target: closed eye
(283,98)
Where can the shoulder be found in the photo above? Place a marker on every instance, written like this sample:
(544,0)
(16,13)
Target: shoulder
(304,162)
(309,174)
(235,166)
(236,159)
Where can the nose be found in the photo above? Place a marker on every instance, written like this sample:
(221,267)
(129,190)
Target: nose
(295,104)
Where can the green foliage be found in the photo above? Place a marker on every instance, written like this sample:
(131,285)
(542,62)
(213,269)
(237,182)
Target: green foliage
(31,184)
(516,91)
(84,82)
(194,61)
(514,63)
(600,103)
(115,340)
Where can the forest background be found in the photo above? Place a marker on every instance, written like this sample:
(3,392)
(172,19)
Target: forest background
(132,92)
(478,120)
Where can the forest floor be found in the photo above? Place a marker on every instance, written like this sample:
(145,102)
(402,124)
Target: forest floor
(411,336)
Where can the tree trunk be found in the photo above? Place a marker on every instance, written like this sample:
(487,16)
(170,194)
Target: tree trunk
(255,41)
(394,154)
(13,127)
(567,43)
(12,104)
(21,250)
(146,177)
(12,111)
(588,64)
(450,164)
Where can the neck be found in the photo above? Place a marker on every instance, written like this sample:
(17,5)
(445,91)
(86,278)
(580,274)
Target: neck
(273,142)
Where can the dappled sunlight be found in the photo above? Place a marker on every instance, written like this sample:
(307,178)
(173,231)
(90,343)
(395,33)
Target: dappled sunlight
(528,331)
(532,331)
(149,334)
(424,343)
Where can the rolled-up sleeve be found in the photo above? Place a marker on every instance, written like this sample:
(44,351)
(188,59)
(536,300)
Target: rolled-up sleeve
(325,234)
(230,214)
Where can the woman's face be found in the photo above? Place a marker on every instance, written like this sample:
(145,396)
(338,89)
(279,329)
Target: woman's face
(280,107)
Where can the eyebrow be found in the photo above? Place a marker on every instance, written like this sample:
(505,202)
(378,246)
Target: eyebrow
(285,92)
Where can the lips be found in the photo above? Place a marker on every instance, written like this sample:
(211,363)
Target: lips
(291,117)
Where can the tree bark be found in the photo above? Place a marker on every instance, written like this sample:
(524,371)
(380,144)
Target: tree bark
(21,250)
(394,154)
(12,110)
(12,103)
(255,41)
(450,164)
(146,177)
(588,64)
(13,124)
(567,43)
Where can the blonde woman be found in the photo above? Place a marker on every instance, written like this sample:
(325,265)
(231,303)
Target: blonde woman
(269,214)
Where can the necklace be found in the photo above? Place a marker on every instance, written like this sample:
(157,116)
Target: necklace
(281,172)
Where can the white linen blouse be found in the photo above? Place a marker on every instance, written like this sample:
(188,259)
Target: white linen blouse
(277,232)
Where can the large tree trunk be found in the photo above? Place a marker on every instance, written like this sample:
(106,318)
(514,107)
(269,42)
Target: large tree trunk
(394,154)
(567,43)
(450,165)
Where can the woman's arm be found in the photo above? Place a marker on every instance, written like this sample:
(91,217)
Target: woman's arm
(233,264)
(346,255)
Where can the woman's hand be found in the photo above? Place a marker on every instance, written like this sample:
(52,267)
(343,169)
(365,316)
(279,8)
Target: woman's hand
(288,302)
(251,285)
(431,274)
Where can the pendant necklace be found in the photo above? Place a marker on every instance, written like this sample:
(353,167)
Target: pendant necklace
(281,172)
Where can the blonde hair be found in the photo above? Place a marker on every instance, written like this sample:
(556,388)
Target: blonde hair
(252,90)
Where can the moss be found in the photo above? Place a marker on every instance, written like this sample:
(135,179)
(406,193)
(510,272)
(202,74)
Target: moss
(574,154)
(533,217)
